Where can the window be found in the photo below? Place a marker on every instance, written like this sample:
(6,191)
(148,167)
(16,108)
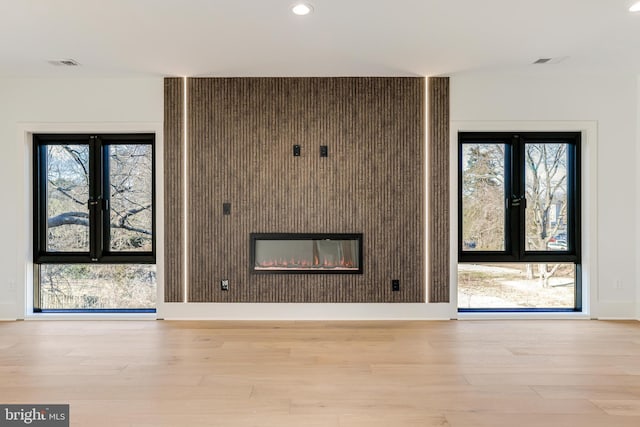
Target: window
(94,221)
(519,216)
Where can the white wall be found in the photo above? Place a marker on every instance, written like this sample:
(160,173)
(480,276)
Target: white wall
(61,104)
(610,101)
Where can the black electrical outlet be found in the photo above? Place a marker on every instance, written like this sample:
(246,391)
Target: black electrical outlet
(226,209)
(296,150)
(324,151)
(224,285)
(395,285)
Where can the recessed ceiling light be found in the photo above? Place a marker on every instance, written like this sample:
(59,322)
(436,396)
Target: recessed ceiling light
(635,7)
(302,9)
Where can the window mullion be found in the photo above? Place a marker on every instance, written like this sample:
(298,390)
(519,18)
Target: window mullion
(95,198)
(522,194)
(517,200)
(106,198)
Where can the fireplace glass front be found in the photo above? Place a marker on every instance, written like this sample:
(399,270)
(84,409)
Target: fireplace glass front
(306,253)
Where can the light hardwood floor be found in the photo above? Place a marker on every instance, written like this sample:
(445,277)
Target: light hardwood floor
(327,374)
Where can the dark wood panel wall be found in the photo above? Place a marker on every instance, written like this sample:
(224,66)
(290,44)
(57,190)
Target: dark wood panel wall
(173,190)
(241,133)
(439,221)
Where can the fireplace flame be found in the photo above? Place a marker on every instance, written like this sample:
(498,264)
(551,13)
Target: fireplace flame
(325,263)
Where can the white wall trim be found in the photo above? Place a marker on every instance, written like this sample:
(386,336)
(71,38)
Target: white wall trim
(608,310)
(24,246)
(306,311)
(589,130)
(637,195)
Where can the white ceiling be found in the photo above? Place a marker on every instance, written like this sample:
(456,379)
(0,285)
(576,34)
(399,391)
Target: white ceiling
(116,38)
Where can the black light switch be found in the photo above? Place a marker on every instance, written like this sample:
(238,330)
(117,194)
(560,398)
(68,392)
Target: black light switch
(395,285)
(296,150)
(226,209)
(324,151)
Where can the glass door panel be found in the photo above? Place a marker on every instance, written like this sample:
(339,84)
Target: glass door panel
(546,189)
(67,195)
(483,197)
(130,195)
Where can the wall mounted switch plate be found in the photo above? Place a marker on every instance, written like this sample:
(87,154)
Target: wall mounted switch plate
(224,285)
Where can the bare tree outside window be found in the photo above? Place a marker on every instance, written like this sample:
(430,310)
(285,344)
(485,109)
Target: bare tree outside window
(546,194)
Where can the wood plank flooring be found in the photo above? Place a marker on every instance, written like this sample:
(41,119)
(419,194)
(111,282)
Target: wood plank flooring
(327,374)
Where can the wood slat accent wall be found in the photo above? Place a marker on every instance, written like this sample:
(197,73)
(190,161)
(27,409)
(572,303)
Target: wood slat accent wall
(439,224)
(241,134)
(173,190)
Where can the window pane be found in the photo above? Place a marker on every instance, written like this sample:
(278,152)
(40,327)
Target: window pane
(483,197)
(516,285)
(97,286)
(546,193)
(130,188)
(67,197)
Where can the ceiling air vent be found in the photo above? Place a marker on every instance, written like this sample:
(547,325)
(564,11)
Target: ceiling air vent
(555,60)
(65,62)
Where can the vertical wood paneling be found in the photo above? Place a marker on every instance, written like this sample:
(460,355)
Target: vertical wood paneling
(241,133)
(439,227)
(173,190)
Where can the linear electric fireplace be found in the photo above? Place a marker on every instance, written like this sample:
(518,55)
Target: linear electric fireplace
(287,253)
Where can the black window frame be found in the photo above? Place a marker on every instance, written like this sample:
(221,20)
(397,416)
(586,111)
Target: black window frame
(515,205)
(99,200)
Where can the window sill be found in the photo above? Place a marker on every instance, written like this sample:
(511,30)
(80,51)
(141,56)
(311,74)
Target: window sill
(91,316)
(523,315)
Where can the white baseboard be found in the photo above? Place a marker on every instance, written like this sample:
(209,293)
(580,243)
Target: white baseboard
(295,311)
(615,310)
